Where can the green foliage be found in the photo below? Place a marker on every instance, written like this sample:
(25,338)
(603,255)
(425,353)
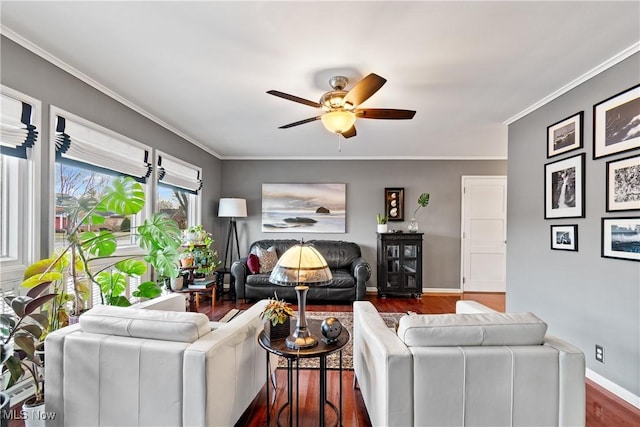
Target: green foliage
(159,236)
(21,334)
(147,290)
(423,200)
(382,219)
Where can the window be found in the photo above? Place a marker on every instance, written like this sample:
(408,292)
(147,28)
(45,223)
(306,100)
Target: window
(87,159)
(19,172)
(178,186)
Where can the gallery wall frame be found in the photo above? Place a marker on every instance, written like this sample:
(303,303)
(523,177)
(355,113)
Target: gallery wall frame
(621,238)
(564,188)
(304,208)
(614,120)
(394,203)
(564,237)
(623,184)
(565,135)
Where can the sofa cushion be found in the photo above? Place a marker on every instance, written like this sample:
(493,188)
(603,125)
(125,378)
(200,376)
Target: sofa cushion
(472,329)
(268,258)
(253,262)
(142,323)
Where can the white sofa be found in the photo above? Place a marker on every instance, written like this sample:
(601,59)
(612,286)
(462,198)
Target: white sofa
(153,364)
(473,368)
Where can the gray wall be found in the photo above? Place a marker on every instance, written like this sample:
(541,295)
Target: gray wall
(365,181)
(585,299)
(28,73)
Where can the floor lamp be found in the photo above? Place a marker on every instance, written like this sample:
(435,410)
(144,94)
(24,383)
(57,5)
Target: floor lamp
(232,208)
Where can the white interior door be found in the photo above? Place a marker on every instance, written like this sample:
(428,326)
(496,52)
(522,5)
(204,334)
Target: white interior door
(484,233)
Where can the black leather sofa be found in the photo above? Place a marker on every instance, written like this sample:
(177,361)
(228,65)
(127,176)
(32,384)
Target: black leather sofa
(350,273)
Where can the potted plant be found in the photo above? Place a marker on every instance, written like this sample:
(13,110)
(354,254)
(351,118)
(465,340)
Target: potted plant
(22,334)
(423,200)
(158,236)
(382,223)
(277,319)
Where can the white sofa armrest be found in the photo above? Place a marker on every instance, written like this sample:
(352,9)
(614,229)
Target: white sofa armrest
(472,307)
(572,411)
(383,368)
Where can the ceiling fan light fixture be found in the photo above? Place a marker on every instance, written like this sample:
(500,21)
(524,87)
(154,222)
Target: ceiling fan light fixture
(338,121)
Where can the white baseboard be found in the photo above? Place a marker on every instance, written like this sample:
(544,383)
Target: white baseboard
(614,388)
(441,291)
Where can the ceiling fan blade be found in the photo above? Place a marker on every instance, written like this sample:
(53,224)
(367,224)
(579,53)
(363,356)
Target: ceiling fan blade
(350,132)
(294,98)
(301,122)
(385,113)
(364,89)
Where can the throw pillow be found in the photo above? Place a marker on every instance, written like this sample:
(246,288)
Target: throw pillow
(253,262)
(268,259)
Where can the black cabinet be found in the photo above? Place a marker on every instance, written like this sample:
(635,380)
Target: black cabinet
(400,264)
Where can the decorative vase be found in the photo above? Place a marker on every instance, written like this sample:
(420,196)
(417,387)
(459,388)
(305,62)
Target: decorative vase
(413,226)
(278,332)
(383,228)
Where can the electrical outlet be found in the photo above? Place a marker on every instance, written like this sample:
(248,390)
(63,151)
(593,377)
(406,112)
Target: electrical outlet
(600,353)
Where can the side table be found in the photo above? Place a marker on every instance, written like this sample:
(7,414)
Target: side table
(194,294)
(322,350)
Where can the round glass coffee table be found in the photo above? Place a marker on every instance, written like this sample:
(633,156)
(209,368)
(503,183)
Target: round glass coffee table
(293,356)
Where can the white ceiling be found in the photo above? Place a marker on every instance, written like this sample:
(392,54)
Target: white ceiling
(202,68)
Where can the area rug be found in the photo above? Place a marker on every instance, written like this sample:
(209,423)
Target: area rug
(333,360)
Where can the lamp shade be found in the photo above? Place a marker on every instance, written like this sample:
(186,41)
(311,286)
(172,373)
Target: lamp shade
(301,264)
(232,207)
(338,121)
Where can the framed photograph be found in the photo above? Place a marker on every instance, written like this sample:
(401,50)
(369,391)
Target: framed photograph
(565,135)
(564,237)
(394,204)
(564,188)
(623,184)
(621,238)
(304,208)
(615,123)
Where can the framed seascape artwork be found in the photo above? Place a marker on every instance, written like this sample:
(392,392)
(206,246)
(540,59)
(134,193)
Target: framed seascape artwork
(564,188)
(304,208)
(616,123)
(564,237)
(394,204)
(621,238)
(565,135)
(623,184)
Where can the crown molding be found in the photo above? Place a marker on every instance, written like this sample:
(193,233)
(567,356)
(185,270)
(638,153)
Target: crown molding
(634,48)
(32,47)
(380,158)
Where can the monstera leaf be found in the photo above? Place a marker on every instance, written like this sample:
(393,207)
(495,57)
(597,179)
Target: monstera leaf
(159,232)
(100,244)
(125,197)
(132,267)
(147,290)
(112,284)
(165,261)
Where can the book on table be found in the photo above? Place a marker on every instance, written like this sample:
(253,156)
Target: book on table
(201,283)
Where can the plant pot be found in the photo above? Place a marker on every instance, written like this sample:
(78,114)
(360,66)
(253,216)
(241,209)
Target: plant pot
(73,319)
(383,228)
(176,283)
(278,332)
(34,414)
(186,262)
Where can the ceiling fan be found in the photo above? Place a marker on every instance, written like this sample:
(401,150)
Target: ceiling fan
(341,106)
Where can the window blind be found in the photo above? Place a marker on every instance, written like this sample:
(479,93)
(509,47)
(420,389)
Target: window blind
(79,145)
(176,174)
(17,132)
